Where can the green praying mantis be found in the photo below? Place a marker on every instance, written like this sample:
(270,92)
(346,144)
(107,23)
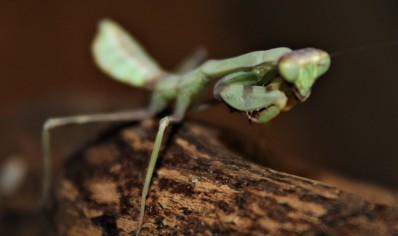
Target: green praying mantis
(259,84)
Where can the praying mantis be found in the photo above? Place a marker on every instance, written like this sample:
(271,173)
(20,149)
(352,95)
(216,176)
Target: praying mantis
(259,84)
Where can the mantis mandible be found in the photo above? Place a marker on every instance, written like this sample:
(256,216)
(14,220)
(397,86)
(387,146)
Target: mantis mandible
(259,84)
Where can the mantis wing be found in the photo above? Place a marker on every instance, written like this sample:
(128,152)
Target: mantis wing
(118,54)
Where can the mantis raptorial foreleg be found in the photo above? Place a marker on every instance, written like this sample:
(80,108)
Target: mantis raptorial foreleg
(246,92)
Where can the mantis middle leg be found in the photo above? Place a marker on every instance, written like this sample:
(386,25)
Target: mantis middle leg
(183,101)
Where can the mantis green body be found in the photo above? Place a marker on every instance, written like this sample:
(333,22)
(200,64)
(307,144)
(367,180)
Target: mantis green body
(260,84)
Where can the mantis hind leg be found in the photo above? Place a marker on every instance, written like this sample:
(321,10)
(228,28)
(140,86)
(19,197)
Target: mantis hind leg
(79,119)
(158,103)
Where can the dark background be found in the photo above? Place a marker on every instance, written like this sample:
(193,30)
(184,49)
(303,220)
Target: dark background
(349,124)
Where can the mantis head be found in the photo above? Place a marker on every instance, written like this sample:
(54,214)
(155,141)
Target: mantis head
(301,68)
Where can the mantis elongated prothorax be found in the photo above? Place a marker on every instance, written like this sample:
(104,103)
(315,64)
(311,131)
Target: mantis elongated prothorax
(259,84)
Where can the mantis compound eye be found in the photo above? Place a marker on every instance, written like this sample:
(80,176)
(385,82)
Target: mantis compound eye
(302,67)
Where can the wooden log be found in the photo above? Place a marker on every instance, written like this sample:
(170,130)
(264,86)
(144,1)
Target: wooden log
(200,188)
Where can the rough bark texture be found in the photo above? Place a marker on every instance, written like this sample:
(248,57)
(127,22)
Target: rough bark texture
(200,187)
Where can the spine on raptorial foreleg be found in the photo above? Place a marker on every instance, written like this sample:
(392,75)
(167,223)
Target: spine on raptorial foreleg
(122,57)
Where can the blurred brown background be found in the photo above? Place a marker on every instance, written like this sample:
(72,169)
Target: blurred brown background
(349,124)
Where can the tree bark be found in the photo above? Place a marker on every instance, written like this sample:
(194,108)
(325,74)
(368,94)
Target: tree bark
(200,187)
